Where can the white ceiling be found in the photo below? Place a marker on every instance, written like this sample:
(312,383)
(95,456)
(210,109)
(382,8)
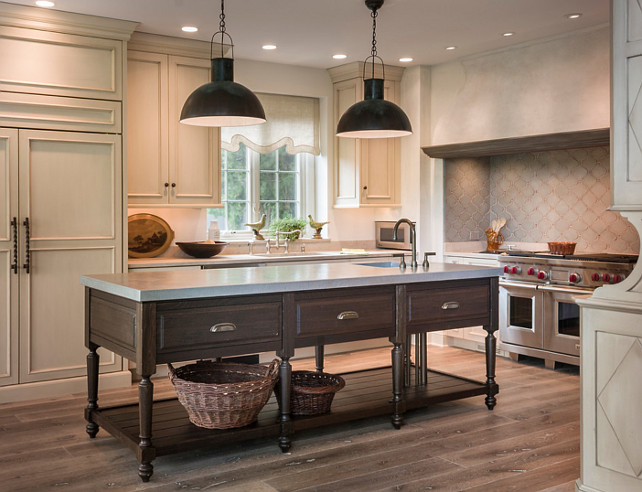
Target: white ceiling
(309,32)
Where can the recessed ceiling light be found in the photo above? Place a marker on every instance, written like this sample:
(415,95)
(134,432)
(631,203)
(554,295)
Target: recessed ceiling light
(45,3)
(508,34)
(576,15)
(405,60)
(269,46)
(339,56)
(189,29)
(450,48)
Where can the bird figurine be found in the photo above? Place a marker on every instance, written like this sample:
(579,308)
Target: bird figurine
(256,227)
(317,226)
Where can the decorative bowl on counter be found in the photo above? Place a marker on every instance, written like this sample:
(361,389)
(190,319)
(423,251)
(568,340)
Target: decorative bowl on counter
(561,248)
(202,249)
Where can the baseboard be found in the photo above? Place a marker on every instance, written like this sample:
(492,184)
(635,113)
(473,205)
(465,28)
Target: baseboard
(60,387)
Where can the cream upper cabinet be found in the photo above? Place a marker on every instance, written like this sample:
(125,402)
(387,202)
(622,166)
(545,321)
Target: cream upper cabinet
(626,93)
(168,163)
(367,171)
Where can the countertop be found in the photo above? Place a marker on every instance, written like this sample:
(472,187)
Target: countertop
(181,284)
(248,260)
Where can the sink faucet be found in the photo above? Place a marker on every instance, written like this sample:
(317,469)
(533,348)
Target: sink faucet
(413,239)
(286,240)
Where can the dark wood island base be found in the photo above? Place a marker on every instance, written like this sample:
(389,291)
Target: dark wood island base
(156,332)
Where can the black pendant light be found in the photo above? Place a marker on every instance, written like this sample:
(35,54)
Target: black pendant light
(222,102)
(374,117)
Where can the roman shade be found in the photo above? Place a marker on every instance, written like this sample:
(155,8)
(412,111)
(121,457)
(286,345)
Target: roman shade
(292,121)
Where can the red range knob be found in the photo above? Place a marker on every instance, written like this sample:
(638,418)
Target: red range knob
(617,278)
(606,277)
(574,278)
(530,271)
(506,269)
(542,275)
(515,269)
(595,277)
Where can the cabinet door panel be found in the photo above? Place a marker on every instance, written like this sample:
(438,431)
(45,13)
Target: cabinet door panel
(52,312)
(147,164)
(69,180)
(85,67)
(194,161)
(8,279)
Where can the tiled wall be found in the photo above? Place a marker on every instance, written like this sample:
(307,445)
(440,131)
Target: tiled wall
(545,196)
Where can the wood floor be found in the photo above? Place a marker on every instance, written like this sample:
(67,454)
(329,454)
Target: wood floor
(529,442)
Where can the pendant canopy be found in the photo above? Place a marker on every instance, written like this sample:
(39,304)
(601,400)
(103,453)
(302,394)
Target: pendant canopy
(222,102)
(374,117)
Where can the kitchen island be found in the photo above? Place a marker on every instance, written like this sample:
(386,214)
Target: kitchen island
(170,316)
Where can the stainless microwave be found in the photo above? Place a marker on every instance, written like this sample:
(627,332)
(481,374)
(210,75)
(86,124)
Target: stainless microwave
(384,233)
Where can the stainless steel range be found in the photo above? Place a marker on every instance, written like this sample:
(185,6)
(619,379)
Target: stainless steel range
(538,313)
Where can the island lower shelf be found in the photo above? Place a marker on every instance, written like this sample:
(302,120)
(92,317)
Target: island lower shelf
(366,394)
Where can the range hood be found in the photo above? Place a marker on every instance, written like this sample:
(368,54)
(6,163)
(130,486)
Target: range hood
(518,145)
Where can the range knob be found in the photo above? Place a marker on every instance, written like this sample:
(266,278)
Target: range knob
(542,275)
(530,271)
(574,278)
(617,278)
(596,277)
(606,277)
(515,270)
(506,269)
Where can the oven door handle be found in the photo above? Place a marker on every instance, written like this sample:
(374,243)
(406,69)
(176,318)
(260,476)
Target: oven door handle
(564,289)
(522,285)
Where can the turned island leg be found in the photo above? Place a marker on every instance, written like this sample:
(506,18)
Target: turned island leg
(492,388)
(285,376)
(397,384)
(319,354)
(92,389)
(146,452)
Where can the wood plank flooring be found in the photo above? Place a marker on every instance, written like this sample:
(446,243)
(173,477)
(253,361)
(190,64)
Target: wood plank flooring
(529,442)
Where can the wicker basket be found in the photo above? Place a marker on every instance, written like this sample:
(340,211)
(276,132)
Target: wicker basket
(561,248)
(223,395)
(312,392)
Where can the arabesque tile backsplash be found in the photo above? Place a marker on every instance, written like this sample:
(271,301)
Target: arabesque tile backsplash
(560,195)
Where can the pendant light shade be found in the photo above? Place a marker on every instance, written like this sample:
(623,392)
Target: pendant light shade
(374,117)
(222,102)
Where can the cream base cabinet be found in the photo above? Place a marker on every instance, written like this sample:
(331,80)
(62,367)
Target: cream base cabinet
(62,203)
(168,163)
(367,171)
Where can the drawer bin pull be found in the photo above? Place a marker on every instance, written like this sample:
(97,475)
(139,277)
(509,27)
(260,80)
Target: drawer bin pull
(450,305)
(348,315)
(223,327)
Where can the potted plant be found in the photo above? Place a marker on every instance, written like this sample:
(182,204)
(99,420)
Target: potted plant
(287,224)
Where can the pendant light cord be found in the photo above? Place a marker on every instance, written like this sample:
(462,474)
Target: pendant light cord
(373,50)
(223,32)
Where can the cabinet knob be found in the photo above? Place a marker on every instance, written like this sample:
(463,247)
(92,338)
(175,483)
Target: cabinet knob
(166,185)
(173,185)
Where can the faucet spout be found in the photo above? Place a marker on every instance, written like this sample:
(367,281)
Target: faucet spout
(413,238)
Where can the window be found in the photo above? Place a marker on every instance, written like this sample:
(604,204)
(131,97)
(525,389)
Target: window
(277,184)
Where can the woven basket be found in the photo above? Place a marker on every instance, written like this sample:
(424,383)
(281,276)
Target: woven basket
(312,392)
(223,395)
(561,248)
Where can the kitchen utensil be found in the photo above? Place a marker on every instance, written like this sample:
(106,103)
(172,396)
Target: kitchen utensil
(202,249)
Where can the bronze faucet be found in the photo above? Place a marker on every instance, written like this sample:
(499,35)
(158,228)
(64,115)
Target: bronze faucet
(413,239)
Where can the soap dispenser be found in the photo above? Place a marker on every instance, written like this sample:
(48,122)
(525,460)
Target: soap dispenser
(213,232)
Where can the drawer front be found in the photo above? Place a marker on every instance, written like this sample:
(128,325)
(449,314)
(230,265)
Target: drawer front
(210,327)
(346,312)
(456,307)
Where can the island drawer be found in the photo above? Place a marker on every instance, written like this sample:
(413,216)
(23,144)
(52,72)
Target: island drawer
(218,324)
(448,306)
(345,313)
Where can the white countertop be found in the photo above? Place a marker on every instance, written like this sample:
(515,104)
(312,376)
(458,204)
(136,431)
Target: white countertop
(220,282)
(246,259)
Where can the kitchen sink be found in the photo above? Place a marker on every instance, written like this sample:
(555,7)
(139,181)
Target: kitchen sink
(382,264)
(292,254)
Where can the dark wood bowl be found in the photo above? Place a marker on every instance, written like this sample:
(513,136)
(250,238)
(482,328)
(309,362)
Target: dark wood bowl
(202,249)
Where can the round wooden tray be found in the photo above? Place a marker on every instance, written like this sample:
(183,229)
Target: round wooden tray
(148,236)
